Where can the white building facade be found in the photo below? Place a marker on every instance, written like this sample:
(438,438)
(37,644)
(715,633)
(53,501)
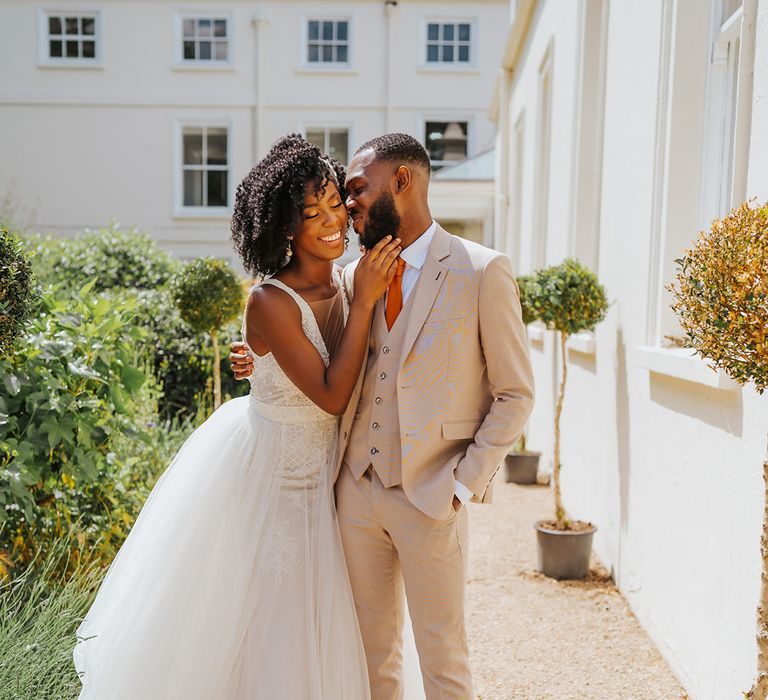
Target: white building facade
(151,112)
(624,128)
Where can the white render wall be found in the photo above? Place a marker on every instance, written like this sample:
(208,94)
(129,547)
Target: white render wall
(669,469)
(82,145)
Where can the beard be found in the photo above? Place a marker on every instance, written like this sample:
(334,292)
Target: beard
(382,220)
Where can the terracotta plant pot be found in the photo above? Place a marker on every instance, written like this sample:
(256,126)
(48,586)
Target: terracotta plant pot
(522,467)
(564,554)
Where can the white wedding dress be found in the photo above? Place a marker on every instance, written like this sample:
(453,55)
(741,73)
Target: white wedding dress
(232,583)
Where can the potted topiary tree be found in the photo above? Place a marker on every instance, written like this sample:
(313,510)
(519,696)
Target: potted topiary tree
(208,295)
(567,298)
(17,290)
(521,465)
(721,300)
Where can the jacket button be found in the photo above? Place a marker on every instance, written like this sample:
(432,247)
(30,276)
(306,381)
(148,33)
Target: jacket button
(383,375)
(378,399)
(385,349)
(375,426)
(373,450)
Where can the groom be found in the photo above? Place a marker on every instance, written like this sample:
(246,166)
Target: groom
(445,391)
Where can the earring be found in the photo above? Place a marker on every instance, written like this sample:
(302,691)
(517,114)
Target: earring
(289,250)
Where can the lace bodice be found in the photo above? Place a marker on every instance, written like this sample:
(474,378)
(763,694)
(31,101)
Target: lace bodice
(272,392)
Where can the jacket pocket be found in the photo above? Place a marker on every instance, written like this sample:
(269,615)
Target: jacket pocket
(460,429)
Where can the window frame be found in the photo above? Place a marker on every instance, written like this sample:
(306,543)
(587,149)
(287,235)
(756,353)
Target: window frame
(444,66)
(45,60)
(316,125)
(436,117)
(180,210)
(181,63)
(304,61)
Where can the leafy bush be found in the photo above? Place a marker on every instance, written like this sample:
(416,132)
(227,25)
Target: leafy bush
(721,295)
(76,408)
(524,283)
(117,258)
(208,294)
(17,289)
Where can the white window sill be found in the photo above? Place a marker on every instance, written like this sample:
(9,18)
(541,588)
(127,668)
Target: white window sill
(326,69)
(205,213)
(583,342)
(682,363)
(536,333)
(198,66)
(74,64)
(447,69)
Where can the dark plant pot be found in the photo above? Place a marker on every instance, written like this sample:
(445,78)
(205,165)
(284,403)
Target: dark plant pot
(564,554)
(522,467)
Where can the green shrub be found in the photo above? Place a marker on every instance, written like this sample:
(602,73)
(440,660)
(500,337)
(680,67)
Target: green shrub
(524,283)
(17,290)
(208,294)
(117,258)
(74,392)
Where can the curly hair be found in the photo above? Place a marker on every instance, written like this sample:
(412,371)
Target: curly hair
(269,204)
(400,148)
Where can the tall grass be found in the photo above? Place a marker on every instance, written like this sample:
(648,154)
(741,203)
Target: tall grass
(40,609)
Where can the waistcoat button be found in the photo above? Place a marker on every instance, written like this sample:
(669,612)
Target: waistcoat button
(378,399)
(383,375)
(385,349)
(373,450)
(375,426)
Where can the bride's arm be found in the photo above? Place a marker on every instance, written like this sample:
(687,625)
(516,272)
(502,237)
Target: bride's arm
(273,316)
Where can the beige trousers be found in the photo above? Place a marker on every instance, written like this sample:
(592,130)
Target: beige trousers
(389,546)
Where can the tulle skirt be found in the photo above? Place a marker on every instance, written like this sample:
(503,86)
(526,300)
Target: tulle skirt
(232,583)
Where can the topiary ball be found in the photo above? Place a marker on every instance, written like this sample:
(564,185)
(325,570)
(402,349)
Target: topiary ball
(567,297)
(207,293)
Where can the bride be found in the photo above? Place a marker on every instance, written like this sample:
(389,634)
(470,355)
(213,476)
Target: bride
(232,583)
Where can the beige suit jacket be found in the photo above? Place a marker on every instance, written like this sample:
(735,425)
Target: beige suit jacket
(465,383)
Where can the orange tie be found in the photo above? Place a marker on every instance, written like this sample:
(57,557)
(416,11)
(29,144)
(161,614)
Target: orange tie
(395,295)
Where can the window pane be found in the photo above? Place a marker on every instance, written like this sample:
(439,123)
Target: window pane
(220,50)
(72,49)
(342,30)
(314,30)
(464,53)
(193,188)
(193,146)
(447,53)
(327,54)
(448,32)
(217,146)
(328,31)
(314,53)
(433,32)
(220,27)
(54,25)
(339,143)
(217,188)
(189,28)
(204,27)
(189,50)
(89,49)
(317,137)
(89,26)
(341,53)
(432,53)
(56,49)
(71,24)
(204,48)
(463,32)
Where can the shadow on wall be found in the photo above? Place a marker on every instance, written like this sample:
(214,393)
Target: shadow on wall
(622,432)
(720,409)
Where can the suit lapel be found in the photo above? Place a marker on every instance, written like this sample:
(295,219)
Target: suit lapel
(431,278)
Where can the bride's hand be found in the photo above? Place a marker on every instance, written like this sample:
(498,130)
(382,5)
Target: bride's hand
(375,270)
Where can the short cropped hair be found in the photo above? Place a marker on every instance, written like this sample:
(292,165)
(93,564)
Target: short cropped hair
(399,148)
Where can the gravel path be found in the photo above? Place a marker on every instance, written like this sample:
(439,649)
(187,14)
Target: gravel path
(534,638)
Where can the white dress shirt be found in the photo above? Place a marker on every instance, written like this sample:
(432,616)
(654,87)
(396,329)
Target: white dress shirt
(414,256)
